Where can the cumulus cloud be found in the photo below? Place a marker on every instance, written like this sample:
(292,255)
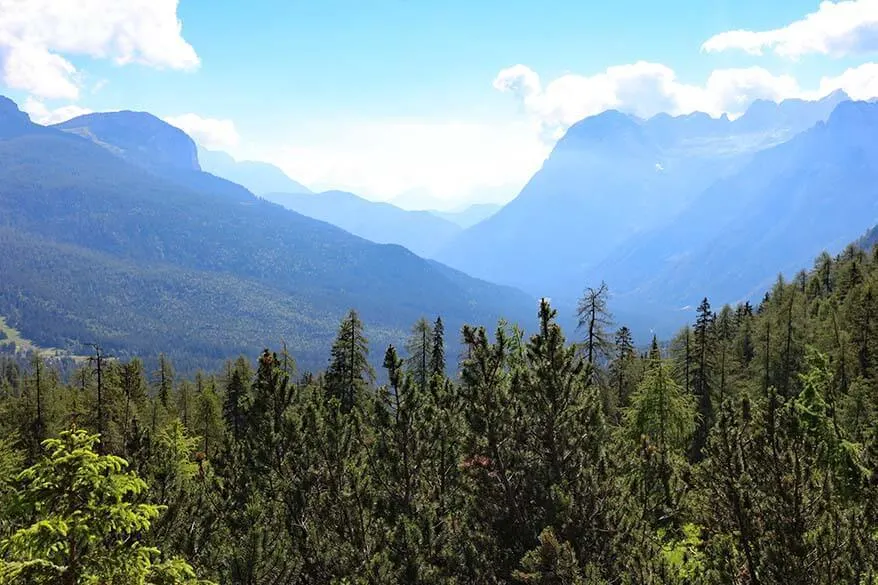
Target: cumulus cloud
(836,28)
(36,35)
(211,133)
(643,89)
(380,159)
(860,83)
(41,114)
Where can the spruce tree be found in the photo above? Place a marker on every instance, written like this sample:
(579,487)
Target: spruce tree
(420,351)
(437,357)
(702,373)
(81,517)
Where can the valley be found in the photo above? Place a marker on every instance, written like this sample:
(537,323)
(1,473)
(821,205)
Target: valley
(438,293)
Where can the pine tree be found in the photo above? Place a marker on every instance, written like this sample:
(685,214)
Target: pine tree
(566,437)
(552,563)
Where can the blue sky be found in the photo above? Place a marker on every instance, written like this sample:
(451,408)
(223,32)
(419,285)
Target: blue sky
(455,100)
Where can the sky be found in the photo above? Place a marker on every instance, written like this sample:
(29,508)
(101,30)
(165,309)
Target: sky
(447,102)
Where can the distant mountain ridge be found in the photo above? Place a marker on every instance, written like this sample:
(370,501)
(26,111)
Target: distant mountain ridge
(471,215)
(258,177)
(419,231)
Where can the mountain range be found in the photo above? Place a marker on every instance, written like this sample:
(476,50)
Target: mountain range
(118,229)
(258,177)
(112,233)
(421,231)
(670,208)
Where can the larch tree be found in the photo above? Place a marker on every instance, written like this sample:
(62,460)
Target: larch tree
(349,370)
(594,320)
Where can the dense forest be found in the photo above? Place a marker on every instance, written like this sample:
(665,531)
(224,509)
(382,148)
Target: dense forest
(740,452)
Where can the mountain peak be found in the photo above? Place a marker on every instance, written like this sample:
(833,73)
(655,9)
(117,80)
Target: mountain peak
(139,137)
(610,126)
(12,120)
(606,122)
(836,97)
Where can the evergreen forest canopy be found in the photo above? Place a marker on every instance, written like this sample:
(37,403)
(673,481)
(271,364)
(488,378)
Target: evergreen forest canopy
(742,452)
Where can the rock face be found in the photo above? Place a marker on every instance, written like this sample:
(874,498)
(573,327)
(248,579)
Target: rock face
(138,137)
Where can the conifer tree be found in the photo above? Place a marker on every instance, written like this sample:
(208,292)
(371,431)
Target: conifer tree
(209,420)
(135,395)
(702,386)
(437,357)
(80,520)
(660,422)
(236,404)
(622,366)
(420,350)
(165,380)
(349,370)
(594,319)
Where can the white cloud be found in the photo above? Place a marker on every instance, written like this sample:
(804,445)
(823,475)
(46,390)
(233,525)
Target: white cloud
(860,83)
(453,161)
(460,161)
(836,28)
(643,89)
(211,133)
(35,36)
(41,114)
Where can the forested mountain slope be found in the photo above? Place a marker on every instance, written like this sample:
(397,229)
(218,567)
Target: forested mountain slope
(180,252)
(742,452)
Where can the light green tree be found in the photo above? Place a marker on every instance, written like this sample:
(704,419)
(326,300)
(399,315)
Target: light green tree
(82,523)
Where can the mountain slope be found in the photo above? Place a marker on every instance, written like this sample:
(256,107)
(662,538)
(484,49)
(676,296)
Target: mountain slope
(137,137)
(818,191)
(609,178)
(419,231)
(258,177)
(158,251)
(606,179)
